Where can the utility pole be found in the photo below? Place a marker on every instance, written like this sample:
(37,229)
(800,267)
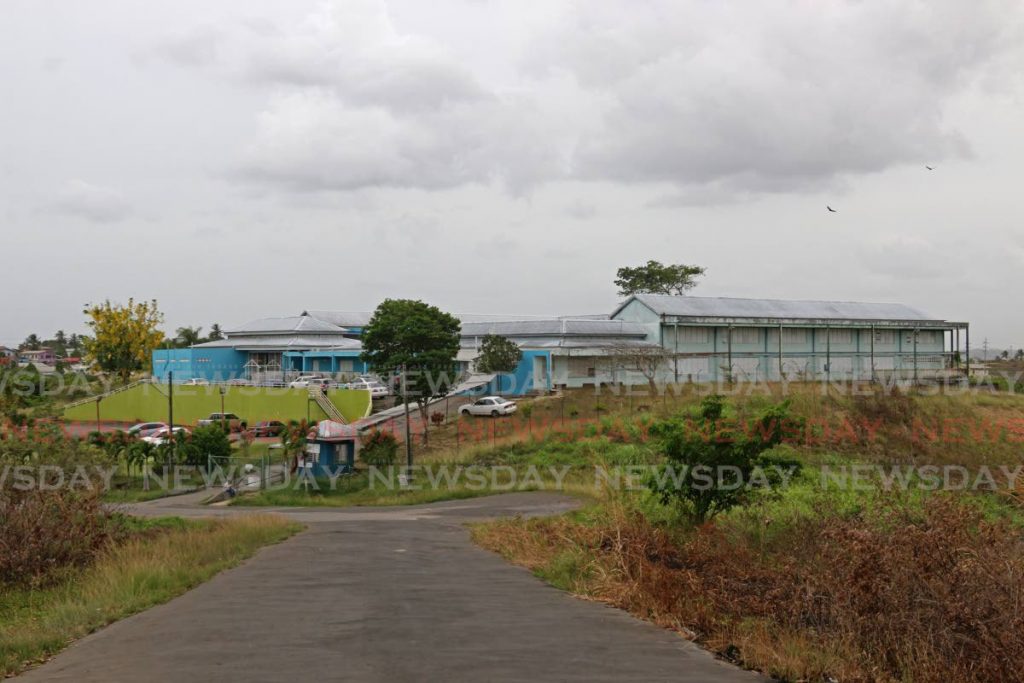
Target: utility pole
(984,349)
(408,428)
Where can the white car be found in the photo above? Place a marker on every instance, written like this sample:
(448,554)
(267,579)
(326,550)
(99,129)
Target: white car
(159,437)
(489,405)
(197,382)
(304,381)
(376,389)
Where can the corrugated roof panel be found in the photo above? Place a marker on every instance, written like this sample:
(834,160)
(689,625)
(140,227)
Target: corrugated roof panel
(297,323)
(554,327)
(726,307)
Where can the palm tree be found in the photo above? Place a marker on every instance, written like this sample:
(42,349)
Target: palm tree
(189,336)
(31,342)
(215,333)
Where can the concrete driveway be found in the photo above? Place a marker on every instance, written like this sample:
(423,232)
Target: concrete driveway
(383,594)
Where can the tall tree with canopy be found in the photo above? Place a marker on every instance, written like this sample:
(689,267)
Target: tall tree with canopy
(419,337)
(123,337)
(498,354)
(656,278)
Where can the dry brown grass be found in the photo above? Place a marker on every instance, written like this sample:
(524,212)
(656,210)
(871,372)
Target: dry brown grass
(890,595)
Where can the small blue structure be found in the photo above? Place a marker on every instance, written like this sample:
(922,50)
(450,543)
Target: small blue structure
(330,450)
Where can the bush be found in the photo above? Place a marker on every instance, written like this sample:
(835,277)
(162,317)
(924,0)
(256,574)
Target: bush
(379,449)
(437,418)
(46,527)
(700,454)
(210,440)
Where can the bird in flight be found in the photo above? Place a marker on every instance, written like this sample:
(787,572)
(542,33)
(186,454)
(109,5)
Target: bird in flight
(930,168)
(831,209)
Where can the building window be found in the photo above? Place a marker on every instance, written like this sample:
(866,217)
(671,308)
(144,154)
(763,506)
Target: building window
(693,335)
(794,336)
(841,336)
(745,335)
(885,337)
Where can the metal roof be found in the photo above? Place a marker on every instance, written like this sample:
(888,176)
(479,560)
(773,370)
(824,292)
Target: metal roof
(343,318)
(286,325)
(555,327)
(283,342)
(726,307)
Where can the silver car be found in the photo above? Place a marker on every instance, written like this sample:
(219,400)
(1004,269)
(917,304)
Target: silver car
(489,405)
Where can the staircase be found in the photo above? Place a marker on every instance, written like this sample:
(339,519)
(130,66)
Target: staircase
(325,404)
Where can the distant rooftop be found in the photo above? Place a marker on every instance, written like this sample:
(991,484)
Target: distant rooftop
(555,327)
(287,325)
(726,307)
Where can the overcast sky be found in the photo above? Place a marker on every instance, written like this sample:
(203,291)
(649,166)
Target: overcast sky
(241,159)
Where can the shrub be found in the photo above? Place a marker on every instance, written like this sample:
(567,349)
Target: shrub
(437,418)
(46,526)
(379,449)
(206,441)
(700,454)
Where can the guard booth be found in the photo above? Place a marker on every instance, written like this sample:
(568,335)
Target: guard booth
(330,449)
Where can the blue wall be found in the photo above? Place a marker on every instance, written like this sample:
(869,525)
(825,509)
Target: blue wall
(520,381)
(218,364)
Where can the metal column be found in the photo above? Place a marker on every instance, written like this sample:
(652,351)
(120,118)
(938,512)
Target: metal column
(872,353)
(728,333)
(967,350)
(916,330)
(675,357)
(780,353)
(828,354)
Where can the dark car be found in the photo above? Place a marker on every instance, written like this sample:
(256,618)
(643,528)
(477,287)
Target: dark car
(268,428)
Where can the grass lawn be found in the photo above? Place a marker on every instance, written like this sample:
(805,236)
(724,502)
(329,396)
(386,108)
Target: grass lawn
(163,560)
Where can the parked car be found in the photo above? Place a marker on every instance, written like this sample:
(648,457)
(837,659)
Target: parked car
(489,405)
(267,428)
(145,428)
(303,381)
(229,420)
(197,382)
(160,436)
(376,389)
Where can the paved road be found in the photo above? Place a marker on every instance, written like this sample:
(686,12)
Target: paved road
(385,594)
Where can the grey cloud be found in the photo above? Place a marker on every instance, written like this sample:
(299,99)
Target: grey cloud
(91,202)
(780,97)
(312,140)
(197,48)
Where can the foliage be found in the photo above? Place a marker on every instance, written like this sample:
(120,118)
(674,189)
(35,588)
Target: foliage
(702,453)
(889,593)
(123,336)
(416,336)
(655,278)
(188,336)
(379,449)
(437,418)
(49,525)
(210,440)
(498,354)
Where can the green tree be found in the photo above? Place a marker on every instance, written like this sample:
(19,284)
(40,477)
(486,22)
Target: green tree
(706,459)
(123,336)
(655,278)
(60,343)
(188,336)
(216,334)
(31,342)
(498,354)
(416,336)
(206,441)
